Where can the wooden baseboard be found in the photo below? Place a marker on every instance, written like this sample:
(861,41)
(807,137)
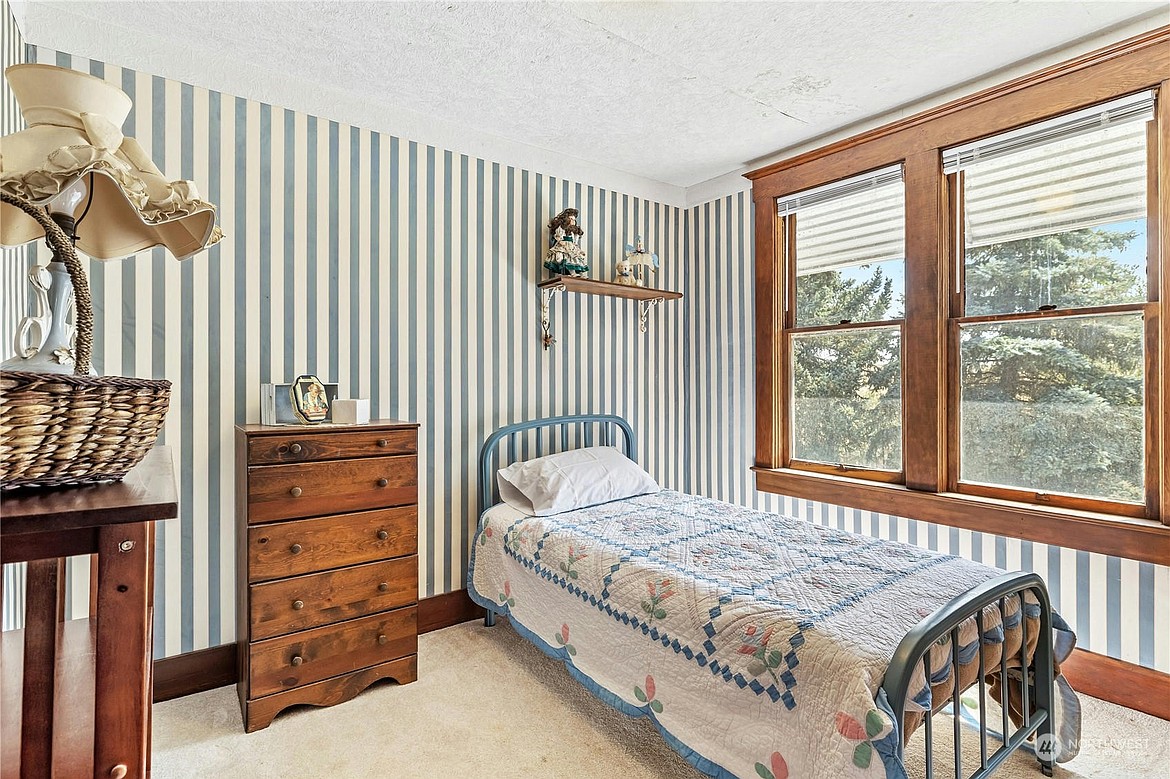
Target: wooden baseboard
(206,669)
(1116,681)
(193,672)
(443,611)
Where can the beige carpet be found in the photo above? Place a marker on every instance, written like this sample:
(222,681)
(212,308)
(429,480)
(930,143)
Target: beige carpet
(489,704)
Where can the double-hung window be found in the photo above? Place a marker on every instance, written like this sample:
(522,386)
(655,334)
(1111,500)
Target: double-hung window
(961,316)
(1052,309)
(845,252)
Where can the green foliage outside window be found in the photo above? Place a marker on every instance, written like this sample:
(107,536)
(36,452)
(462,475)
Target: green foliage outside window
(1053,405)
(847,385)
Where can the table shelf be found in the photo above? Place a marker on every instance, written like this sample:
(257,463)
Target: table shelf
(73,700)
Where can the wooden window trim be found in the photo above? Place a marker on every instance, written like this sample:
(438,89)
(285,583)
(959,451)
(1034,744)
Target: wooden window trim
(1144,540)
(930,490)
(847,327)
(1161,245)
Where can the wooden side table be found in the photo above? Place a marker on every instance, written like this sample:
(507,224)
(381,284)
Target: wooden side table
(76,695)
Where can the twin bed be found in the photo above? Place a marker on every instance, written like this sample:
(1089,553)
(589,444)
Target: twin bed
(766,646)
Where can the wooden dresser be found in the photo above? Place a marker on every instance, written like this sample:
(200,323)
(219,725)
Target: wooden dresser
(327,562)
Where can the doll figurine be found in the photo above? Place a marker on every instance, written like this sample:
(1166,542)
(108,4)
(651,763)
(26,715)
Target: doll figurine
(565,256)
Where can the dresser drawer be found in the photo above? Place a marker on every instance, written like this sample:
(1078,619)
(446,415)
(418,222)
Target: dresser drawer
(281,549)
(322,598)
(291,661)
(316,489)
(294,448)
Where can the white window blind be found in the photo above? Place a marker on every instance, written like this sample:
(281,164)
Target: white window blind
(855,221)
(1080,170)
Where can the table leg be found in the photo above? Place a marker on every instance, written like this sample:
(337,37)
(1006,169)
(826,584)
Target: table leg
(123,661)
(40,667)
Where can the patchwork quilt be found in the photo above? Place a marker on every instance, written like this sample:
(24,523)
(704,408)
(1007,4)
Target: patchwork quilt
(757,643)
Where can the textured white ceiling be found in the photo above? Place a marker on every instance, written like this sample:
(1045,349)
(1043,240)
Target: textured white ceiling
(676,93)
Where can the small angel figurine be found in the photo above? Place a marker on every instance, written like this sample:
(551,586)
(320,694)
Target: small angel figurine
(565,256)
(638,258)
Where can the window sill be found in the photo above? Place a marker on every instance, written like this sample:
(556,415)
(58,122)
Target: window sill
(1135,539)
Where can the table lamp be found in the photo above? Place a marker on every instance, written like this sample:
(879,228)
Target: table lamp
(98,185)
(73,178)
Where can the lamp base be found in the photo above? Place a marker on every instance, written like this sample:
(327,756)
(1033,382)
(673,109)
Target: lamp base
(50,326)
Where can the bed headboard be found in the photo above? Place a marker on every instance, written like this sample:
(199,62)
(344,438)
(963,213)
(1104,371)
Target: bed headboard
(576,431)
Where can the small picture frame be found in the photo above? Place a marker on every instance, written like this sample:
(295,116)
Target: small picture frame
(309,400)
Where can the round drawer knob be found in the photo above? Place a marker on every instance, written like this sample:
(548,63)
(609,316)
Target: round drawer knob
(295,448)
(295,492)
(298,605)
(384,587)
(382,442)
(295,549)
(383,482)
(119,771)
(382,639)
(297,660)
(383,535)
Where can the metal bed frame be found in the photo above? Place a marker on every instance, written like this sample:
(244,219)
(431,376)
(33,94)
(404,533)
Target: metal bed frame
(1035,687)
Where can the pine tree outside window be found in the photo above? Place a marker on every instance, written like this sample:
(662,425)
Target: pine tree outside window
(846,255)
(1051,309)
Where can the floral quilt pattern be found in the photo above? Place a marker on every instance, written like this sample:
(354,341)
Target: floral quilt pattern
(756,642)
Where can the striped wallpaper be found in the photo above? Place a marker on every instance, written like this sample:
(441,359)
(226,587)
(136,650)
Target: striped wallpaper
(406,273)
(13,289)
(1117,607)
(402,271)
(14,269)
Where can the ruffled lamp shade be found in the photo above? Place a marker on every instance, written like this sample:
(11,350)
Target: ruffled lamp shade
(73,177)
(74,128)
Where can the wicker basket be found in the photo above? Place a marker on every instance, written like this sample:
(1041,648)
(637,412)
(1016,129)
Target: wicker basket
(56,429)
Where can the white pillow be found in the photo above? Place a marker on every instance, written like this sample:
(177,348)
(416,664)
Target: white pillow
(572,480)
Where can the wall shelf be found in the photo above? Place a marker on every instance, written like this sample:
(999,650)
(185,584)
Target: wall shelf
(647,298)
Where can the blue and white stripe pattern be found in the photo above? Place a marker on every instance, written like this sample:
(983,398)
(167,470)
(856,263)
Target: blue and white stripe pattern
(406,272)
(13,287)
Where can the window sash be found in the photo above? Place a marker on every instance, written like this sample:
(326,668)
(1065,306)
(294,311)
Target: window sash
(788,226)
(1052,498)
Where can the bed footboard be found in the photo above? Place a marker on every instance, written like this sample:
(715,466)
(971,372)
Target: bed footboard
(1037,692)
